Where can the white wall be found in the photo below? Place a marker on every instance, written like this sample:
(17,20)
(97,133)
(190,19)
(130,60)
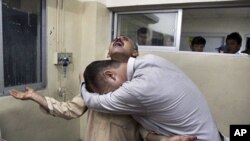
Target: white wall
(216,25)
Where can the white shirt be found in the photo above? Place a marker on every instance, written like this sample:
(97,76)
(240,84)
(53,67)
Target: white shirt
(161,98)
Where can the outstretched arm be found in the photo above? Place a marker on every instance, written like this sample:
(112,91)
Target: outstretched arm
(29,94)
(67,110)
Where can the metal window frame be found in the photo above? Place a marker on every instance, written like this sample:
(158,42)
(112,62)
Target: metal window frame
(244,38)
(1,52)
(154,48)
(43,45)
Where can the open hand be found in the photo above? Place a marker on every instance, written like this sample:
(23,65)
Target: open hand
(26,95)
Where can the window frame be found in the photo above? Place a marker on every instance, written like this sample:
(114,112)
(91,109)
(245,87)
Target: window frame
(43,44)
(177,35)
(245,37)
(182,7)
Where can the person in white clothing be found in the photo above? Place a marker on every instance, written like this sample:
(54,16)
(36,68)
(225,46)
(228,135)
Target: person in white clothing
(154,91)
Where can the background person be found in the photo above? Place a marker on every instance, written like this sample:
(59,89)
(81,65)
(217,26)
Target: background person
(233,44)
(198,43)
(142,36)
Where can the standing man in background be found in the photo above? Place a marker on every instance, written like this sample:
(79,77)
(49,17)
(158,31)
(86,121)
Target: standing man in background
(142,36)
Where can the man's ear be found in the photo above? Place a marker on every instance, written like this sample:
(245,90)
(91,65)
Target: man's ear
(135,53)
(109,75)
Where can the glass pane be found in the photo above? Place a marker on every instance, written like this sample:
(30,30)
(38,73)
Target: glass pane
(21,42)
(150,29)
(215,25)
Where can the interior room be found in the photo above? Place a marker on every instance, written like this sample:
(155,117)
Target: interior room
(46,44)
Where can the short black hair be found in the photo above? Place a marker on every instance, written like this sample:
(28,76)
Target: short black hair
(235,36)
(93,74)
(142,30)
(198,40)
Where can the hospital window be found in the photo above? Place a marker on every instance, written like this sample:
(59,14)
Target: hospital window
(173,30)
(22,44)
(145,28)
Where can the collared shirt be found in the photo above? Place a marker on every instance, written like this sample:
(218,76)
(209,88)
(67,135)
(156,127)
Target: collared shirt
(161,98)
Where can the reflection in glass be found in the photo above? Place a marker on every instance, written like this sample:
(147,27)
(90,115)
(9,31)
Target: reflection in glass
(21,42)
(149,29)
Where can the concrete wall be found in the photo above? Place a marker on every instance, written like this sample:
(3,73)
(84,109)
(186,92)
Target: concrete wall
(22,120)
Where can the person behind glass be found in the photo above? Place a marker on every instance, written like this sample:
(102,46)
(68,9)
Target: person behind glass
(198,43)
(142,36)
(247,49)
(169,41)
(233,44)
(113,127)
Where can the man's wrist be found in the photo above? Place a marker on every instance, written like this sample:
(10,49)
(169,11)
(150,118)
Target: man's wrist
(33,96)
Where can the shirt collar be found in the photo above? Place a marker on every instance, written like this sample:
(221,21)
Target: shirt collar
(130,68)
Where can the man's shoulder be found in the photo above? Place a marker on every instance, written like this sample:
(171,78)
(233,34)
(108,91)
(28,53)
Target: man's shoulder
(147,58)
(154,60)
(150,58)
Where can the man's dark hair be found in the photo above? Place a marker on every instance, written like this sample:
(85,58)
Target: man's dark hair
(142,30)
(93,75)
(235,36)
(198,40)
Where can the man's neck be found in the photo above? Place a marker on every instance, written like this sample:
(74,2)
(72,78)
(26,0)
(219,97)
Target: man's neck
(120,58)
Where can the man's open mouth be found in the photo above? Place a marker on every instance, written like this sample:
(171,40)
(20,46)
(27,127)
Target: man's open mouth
(118,43)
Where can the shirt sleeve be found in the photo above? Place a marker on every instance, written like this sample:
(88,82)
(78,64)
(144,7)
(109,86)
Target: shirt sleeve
(67,110)
(121,101)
